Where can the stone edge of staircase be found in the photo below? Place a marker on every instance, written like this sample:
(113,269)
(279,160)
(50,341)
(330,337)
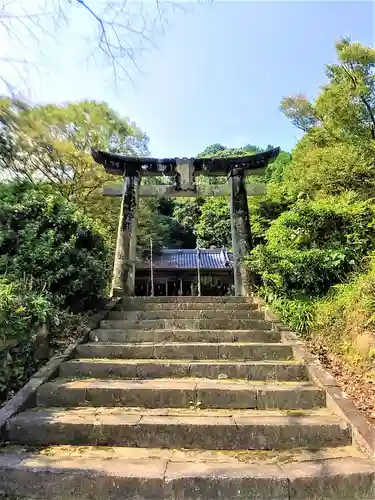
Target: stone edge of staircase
(337,400)
(25,397)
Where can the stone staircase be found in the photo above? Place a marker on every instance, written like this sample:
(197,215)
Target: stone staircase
(183,399)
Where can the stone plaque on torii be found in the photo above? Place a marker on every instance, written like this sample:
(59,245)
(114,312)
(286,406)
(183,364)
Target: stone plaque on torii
(184,171)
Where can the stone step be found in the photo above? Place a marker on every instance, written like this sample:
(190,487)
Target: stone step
(181,393)
(183,306)
(185,314)
(85,473)
(155,368)
(212,299)
(135,335)
(117,427)
(201,324)
(187,350)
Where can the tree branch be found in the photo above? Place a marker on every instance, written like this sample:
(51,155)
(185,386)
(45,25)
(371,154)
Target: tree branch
(364,101)
(120,31)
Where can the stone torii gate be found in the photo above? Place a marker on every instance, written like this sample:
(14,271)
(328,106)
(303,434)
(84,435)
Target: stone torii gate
(184,171)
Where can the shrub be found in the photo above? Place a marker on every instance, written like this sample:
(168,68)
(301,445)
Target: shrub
(314,246)
(346,318)
(328,169)
(54,262)
(22,312)
(47,238)
(298,314)
(262,213)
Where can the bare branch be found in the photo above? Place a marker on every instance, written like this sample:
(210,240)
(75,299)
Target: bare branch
(122,30)
(118,51)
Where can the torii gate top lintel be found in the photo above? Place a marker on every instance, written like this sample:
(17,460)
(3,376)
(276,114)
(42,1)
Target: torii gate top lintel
(131,165)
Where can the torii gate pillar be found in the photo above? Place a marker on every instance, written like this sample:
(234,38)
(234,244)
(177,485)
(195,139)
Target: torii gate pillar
(240,228)
(123,279)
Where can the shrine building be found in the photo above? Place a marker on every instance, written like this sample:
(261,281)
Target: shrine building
(185,272)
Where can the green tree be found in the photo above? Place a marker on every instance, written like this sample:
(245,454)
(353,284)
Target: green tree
(347,103)
(233,152)
(337,151)
(155,221)
(315,245)
(211,219)
(211,150)
(315,227)
(213,229)
(53,144)
(188,211)
(300,111)
(275,170)
(49,240)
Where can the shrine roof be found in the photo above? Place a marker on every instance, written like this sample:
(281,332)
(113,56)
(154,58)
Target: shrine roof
(117,164)
(218,258)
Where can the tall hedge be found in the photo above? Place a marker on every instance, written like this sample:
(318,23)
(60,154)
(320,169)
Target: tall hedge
(313,246)
(48,239)
(53,262)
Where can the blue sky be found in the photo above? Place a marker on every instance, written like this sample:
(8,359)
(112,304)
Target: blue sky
(218,72)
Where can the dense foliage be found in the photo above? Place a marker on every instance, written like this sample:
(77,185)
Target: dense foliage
(54,263)
(53,144)
(314,245)
(315,227)
(209,219)
(185,222)
(50,240)
(23,311)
